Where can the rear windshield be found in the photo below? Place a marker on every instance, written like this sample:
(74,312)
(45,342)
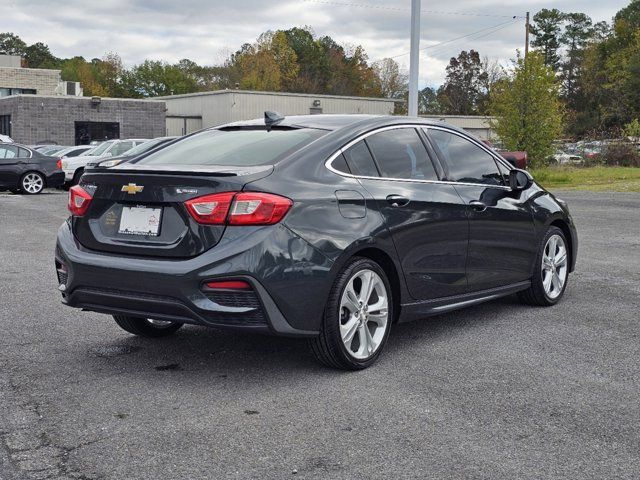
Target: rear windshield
(234,147)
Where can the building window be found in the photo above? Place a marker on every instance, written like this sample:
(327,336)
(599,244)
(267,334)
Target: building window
(5,92)
(5,125)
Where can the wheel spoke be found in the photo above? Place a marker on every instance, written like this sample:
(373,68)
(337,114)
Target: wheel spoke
(348,331)
(553,243)
(350,299)
(561,258)
(369,344)
(546,281)
(380,319)
(367,286)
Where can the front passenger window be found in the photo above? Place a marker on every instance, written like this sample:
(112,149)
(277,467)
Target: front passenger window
(467,162)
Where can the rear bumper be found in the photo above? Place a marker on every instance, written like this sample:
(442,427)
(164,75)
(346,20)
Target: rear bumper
(172,289)
(55,179)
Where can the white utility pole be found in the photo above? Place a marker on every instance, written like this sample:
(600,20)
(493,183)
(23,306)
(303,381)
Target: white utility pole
(414,62)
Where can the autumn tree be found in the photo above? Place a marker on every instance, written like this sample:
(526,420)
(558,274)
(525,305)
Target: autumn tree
(393,83)
(527,108)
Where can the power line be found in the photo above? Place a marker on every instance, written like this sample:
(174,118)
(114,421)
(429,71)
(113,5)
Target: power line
(397,9)
(491,29)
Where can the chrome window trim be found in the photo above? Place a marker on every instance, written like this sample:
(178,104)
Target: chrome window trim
(340,151)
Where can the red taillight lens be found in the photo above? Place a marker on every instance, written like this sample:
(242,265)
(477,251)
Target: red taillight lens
(79,201)
(229,285)
(59,164)
(210,209)
(244,208)
(258,209)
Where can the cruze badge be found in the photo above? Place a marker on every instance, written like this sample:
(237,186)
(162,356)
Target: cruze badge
(132,188)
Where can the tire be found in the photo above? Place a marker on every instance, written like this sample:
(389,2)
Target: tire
(341,312)
(551,272)
(32,183)
(76,178)
(144,327)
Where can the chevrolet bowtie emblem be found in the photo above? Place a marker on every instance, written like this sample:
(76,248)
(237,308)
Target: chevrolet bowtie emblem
(132,188)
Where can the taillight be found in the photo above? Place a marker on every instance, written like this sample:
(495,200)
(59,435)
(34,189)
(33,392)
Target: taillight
(59,164)
(258,209)
(79,201)
(244,208)
(210,209)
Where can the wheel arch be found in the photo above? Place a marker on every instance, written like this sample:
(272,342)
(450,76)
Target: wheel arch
(564,226)
(387,264)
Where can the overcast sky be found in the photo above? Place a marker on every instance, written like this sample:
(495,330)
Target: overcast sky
(207,31)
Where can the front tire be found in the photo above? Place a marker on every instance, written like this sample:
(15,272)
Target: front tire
(551,273)
(145,327)
(357,317)
(32,183)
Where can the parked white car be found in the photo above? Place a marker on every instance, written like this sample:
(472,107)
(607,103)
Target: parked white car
(74,167)
(6,139)
(563,158)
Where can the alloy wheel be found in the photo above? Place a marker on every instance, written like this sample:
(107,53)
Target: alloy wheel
(364,314)
(32,183)
(554,266)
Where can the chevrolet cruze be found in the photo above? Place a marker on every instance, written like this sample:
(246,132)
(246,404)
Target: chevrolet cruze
(331,227)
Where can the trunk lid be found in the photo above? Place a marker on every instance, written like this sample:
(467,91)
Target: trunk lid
(139,209)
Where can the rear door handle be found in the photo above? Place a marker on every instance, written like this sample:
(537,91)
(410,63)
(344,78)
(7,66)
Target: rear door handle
(478,206)
(397,200)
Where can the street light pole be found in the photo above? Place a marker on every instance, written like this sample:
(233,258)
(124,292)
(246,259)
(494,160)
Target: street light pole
(414,62)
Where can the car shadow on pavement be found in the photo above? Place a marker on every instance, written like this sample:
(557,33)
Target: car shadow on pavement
(207,350)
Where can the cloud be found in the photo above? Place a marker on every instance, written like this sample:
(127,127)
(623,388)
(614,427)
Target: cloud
(207,31)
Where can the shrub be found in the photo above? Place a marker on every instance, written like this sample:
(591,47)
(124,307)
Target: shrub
(621,154)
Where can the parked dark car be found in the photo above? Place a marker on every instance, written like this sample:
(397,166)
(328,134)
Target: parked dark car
(517,159)
(331,227)
(24,170)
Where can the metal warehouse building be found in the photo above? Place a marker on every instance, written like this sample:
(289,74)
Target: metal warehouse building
(190,112)
(477,125)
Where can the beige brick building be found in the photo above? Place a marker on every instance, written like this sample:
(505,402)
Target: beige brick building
(16,80)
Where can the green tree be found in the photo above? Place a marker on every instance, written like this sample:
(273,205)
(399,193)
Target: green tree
(428,103)
(38,55)
(527,108)
(577,34)
(463,87)
(547,29)
(11,44)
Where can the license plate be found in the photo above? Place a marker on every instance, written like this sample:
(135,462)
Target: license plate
(140,221)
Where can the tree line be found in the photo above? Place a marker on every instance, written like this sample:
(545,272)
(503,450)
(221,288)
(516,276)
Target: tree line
(293,60)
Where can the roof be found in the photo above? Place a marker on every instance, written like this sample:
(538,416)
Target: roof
(282,94)
(338,121)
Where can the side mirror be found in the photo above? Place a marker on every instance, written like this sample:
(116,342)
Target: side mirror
(519,180)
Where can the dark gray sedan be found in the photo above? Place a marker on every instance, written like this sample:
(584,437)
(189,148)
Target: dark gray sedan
(25,170)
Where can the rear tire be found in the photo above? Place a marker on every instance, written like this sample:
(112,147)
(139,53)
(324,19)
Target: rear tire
(551,271)
(145,327)
(357,317)
(76,178)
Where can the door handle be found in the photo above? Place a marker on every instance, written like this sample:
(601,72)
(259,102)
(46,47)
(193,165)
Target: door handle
(397,200)
(478,206)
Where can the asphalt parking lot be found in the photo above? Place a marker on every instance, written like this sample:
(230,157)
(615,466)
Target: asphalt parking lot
(498,391)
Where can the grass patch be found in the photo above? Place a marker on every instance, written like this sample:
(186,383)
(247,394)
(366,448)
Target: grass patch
(597,179)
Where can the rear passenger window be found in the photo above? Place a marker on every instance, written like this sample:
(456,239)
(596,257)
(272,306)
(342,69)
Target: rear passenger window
(340,164)
(23,153)
(401,154)
(467,162)
(360,161)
